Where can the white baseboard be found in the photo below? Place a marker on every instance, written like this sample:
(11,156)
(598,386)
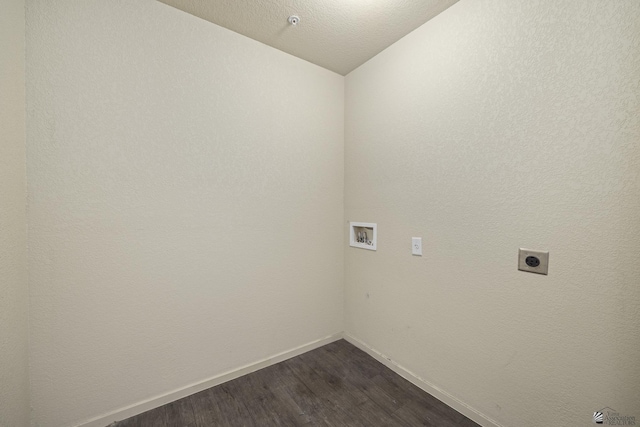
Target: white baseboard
(154,402)
(157,401)
(436,392)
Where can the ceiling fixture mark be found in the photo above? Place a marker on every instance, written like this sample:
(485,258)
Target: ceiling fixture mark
(294,19)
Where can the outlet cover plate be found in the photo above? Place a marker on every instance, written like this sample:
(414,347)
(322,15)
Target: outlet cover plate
(541,266)
(416,246)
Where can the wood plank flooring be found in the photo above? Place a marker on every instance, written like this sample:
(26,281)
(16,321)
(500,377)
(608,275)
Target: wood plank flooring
(335,385)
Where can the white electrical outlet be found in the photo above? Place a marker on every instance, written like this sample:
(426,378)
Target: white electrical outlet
(416,246)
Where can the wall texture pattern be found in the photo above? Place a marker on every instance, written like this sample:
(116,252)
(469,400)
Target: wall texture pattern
(178,173)
(188,189)
(14,291)
(500,125)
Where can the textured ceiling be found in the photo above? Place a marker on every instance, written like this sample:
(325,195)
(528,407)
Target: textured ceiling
(336,34)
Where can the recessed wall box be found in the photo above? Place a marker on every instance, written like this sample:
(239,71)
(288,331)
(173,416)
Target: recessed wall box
(363,235)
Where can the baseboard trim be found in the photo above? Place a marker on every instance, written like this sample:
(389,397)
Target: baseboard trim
(433,390)
(154,402)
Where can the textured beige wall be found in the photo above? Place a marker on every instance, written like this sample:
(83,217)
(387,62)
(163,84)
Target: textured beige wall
(14,292)
(175,169)
(499,125)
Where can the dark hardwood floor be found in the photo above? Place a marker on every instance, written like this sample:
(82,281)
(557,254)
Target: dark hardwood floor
(335,385)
